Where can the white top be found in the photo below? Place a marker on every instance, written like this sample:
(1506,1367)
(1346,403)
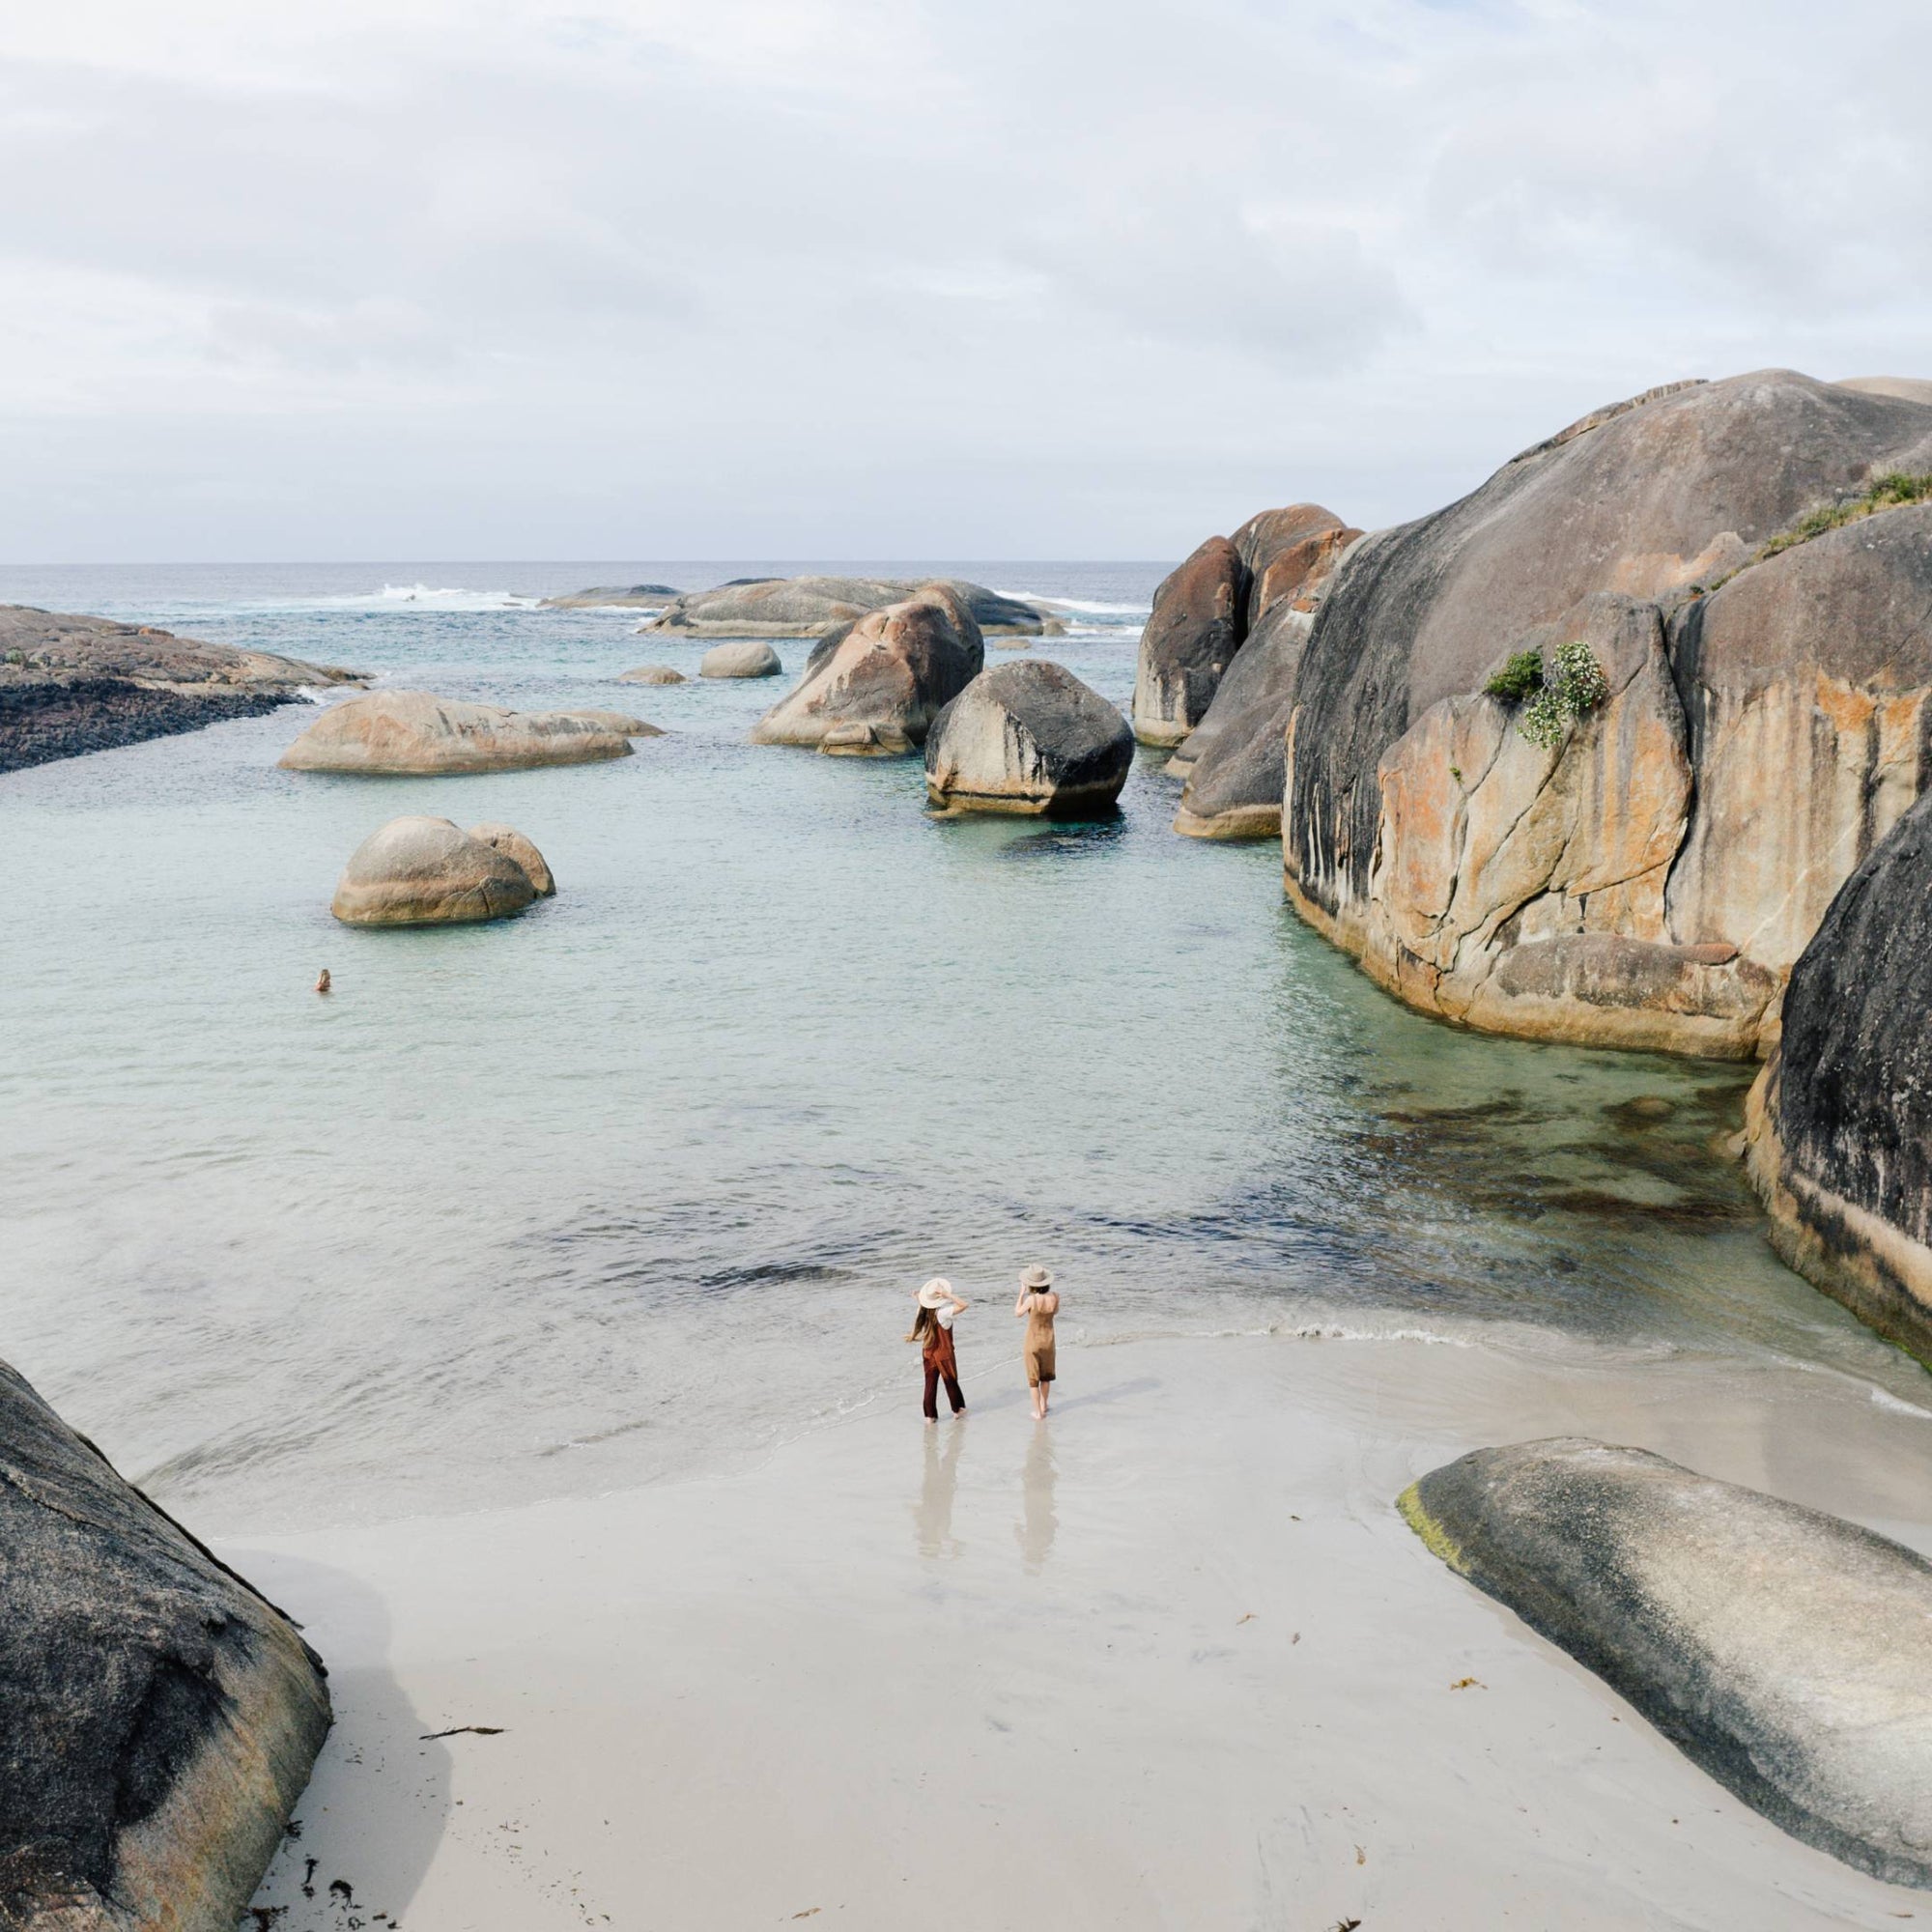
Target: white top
(944,1315)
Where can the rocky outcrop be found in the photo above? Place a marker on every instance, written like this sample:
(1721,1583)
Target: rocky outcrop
(508,841)
(651,674)
(70,685)
(615,597)
(427,871)
(1647,875)
(1838,1127)
(1204,611)
(1189,641)
(1234,761)
(801,607)
(744,660)
(873,687)
(159,1717)
(1787,1653)
(417,734)
(1027,737)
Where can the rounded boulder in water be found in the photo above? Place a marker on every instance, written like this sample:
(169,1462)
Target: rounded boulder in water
(651,674)
(1027,737)
(428,872)
(746,658)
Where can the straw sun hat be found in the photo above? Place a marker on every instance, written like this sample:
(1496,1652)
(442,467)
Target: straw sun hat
(936,1292)
(1037,1278)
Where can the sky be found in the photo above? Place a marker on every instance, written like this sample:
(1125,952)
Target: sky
(875,279)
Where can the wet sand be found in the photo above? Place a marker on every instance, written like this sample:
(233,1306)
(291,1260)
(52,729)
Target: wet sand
(1170,1660)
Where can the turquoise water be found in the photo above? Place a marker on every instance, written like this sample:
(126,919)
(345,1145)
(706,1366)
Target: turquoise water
(646,1178)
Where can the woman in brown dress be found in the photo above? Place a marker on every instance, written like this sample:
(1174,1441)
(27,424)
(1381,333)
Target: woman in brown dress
(932,1330)
(1037,1305)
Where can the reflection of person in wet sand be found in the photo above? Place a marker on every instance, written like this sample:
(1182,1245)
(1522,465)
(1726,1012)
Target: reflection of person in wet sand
(1039,1521)
(935,1517)
(932,1330)
(1037,1306)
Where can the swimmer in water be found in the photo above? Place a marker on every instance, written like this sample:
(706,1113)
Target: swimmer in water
(322,980)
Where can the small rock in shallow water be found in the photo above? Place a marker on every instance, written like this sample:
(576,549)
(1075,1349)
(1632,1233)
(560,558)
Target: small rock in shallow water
(427,871)
(747,658)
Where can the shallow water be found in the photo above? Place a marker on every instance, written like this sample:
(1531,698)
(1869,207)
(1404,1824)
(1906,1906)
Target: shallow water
(644,1180)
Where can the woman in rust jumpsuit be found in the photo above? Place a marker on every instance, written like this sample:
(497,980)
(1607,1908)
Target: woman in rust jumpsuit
(932,1330)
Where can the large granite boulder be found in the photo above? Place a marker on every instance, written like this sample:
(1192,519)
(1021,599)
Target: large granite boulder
(1204,611)
(1787,1653)
(749,659)
(1027,737)
(1234,761)
(417,734)
(801,607)
(1645,875)
(158,1718)
(651,674)
(1189,641)
(427,871)
(873,687)
(69,685)
(1838,1126)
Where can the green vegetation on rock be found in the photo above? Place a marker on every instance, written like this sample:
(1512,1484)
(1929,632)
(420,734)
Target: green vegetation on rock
(1551,701)
(1891,491)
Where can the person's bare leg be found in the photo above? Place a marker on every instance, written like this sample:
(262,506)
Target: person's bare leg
(1045,1397)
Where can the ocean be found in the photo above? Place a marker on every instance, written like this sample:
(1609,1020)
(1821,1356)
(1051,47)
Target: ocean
(642,1182)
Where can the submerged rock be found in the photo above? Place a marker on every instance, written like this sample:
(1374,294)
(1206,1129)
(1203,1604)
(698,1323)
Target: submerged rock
(651,674)
(160,1718)
(1838,1127)
(615,597)
(1027,737)
(427,871)
(417,734)
(70,685)
(744,660)
(801,607)
(508,841)
(874,687)
(1786,1652)
(1761,724)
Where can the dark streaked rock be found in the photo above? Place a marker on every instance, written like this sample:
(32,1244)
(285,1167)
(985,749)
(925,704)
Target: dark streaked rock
(70,685)
(1027,737)
(1786,1652)
(159,1717)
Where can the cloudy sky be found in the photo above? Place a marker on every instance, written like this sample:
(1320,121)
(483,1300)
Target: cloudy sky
(925,278)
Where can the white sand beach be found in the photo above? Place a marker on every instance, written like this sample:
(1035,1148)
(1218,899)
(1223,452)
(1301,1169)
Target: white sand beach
(1170,1660)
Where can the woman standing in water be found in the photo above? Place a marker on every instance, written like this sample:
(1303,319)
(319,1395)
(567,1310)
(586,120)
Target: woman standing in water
(932,1330)
(1037,1305)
